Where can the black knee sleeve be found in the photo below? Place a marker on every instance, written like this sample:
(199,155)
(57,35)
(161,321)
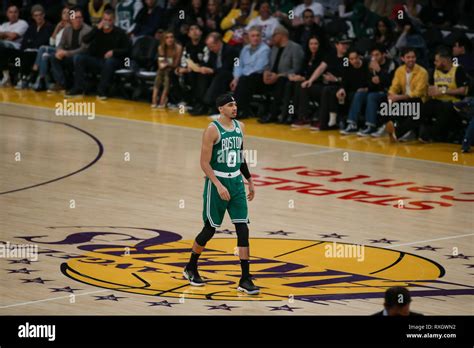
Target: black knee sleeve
(206,234)
(242,234)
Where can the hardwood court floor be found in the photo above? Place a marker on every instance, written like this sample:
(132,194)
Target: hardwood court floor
(113,203)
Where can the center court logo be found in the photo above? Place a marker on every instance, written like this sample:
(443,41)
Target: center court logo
(150,261)
(283,268)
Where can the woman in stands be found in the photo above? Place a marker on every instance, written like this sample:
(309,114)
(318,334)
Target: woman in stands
(169,54)
(313,57)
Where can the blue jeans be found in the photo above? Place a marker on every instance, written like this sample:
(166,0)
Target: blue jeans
(371,101)
(43,57)
(84,63)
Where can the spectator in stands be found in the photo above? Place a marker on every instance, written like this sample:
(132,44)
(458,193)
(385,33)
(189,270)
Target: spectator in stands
(363,21)
(331,70)
(466,107)
(169,54)
(218,69)
(438,13)
(345,10)
(248,73)
(37,35)
(381,70)
(108,45)
(409,86)
(196,13)
(96,9)
(316,7)
(302,33)
(448,84)
(410,36)
(265,21)
(171,16)
(355,83)
(212,17)
(70,45)
(412,8)
(126,13)
(384,33)
(286,58)
(380,7)
(397,303)
(46,53)
(313,58)
(235,22)
(281,9)
(195,52)
(462,51)
(11,36)
(149,20)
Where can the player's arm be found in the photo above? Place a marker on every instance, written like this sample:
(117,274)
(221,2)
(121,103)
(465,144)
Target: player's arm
(244,169)
(209,137)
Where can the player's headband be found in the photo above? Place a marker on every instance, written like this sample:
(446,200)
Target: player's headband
(224,99)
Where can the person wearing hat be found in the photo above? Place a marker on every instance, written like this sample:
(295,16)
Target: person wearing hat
(223,163)
(397,303)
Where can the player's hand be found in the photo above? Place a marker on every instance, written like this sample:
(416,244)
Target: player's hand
(223,193)
(251,194)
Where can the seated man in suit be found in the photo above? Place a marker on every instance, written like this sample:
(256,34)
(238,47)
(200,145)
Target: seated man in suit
(286,59)
(215,74)
(397,303)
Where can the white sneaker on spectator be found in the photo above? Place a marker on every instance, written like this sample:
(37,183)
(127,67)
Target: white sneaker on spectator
(5,82)
(21,84)
(408,136)
(366,132)
(351,128)
(379,133)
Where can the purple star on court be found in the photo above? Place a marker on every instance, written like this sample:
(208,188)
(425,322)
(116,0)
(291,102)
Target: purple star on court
(333,235)
(108,298)
(22,261)
(427,247)
(283,308)
(36,280)
(21,270)
(383,240)
(222,307)
(279,233)
(67,256)
(66,289)
(459,256)
(162,303)
(225,231)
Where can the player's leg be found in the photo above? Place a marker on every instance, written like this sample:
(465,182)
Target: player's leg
(213,213)
(190,271)
(238,212)
(245,284)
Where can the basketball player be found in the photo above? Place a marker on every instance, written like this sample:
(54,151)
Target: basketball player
(224,165)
